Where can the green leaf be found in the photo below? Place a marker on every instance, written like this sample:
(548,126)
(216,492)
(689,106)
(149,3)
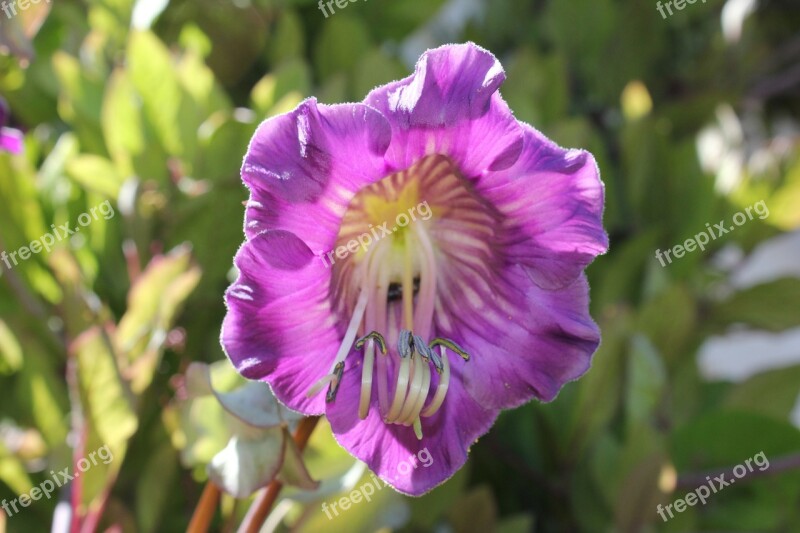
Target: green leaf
(106,400)
(80,97)
(154,486)
(772,393)
(639,494)
(285,86)
(122,123)
(96,174)
(646,379)
(522,523)
(293,470)
(246,465)
(671,337)
(12,472)
(600,392)
(475,511)
(153,75)
(10,351)
(288,42)
(153,305)
(721,439)
(771,306)
(198,428)
(340,46)
(41,394)
(537,88)
(224,139)
(374,69)
(253,404)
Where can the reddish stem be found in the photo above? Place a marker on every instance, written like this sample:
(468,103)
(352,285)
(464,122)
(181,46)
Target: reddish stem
(206,508)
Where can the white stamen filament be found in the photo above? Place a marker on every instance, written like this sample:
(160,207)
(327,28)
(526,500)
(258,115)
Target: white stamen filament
(366,380)
(319,385)
(422,395)
(441,390)
(382,304)
(408,287)
(374,258)
(400,390)
(423,319)
(352,328)
(413,391)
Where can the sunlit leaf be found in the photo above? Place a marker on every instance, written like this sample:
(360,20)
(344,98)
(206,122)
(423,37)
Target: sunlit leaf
(153,304)
(10,350)
(772,306)
(246,465)
(293,470)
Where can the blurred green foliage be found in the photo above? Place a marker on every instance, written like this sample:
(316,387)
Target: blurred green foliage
(97,334)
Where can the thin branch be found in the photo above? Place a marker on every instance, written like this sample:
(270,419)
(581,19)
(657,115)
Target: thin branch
(205,510)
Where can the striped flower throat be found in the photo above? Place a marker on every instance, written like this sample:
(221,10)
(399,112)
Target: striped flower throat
(388,294)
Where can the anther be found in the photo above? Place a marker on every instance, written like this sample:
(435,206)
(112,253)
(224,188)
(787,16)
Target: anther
(450,345)
(338,371)
(422,348)
(374,335)
(405,346)
(437,361)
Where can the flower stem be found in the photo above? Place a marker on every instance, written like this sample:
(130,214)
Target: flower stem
(206,508)
(261,507)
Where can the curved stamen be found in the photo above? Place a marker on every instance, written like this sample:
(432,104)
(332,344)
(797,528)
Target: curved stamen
(366,376)
(380,322)
(372,323)
(347,343)
(352,328)
(426,301)
(400,389)
(338,371)
(405,344)
(375,336)
(422,348)
(441,390)
(450,345)
(319,385)
(418,428)
(408,286)
(437,361)
(414,390)
(422,395)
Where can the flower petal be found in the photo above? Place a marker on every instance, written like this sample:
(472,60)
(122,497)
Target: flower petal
(279,326)
(450,106)
(525,341)
(553,200)
(304,167)
(10,140)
